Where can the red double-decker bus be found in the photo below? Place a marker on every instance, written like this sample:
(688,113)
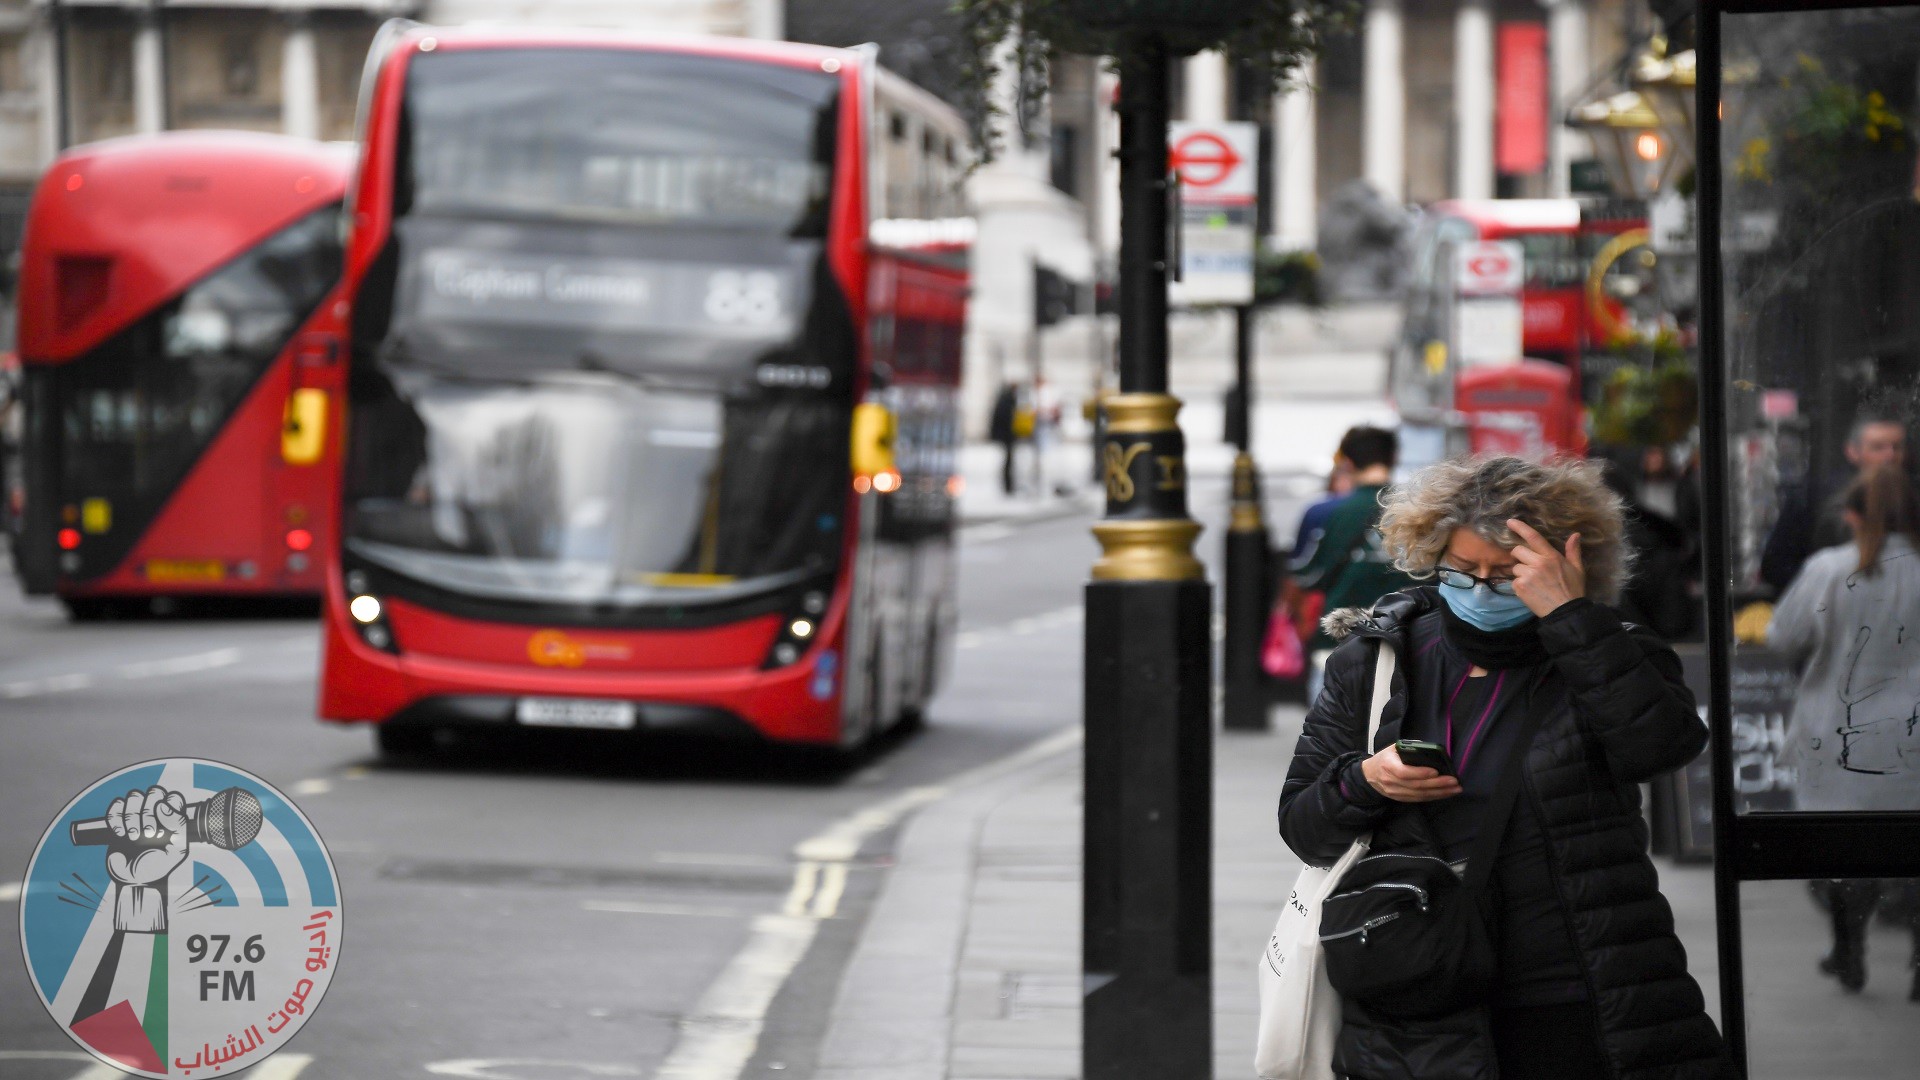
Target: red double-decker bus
(182,359)
(627,350)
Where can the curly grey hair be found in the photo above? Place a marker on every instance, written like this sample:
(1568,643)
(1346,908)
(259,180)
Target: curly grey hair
(1559,498)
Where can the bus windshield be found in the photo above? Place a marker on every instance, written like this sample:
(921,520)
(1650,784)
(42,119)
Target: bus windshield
(621,136)
(602,363)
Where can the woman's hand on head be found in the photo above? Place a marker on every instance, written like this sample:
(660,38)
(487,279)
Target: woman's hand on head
(1543,576)
(1401,782)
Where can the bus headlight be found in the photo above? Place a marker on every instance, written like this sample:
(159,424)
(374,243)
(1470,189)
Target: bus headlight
(364,609)
(371,616)
(804,622)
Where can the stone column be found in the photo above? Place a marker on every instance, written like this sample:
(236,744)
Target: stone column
(45,43)
(1296,201)
(1569,72)
(1473,100)
(1383,106)
(1206,88)
(299,79)
(149,75)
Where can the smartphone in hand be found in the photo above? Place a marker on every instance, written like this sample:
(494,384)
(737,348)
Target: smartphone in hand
(1430,755)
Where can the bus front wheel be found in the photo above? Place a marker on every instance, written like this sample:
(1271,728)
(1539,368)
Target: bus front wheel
(403,740)
(90,608)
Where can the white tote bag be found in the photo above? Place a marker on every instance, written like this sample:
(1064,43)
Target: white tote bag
(1299,1009)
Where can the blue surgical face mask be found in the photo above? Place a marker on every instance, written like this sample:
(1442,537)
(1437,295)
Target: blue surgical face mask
(1483,608)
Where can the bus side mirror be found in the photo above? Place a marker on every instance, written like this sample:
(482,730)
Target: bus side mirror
(303,431)
(873,427)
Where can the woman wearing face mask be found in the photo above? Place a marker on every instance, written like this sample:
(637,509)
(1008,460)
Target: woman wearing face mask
(1515,634)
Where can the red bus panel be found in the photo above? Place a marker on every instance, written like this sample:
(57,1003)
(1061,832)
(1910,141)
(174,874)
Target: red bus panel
(181,353)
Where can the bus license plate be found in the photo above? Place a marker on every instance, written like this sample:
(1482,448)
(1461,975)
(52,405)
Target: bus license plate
(192,571)
(577,712)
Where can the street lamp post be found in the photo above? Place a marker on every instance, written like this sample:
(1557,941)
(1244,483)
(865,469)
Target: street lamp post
(1147,935)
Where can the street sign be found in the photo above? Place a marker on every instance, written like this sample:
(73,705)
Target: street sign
(1489,268)
(1218,169)
(1488,323)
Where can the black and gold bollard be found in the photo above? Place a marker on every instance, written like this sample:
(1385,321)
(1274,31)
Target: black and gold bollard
(1248,599)
(1147,935)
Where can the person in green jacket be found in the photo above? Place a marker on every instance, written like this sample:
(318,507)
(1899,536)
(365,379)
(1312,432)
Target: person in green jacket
(1349,564)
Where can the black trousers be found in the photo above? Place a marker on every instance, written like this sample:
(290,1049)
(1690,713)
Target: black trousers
(1549,1042)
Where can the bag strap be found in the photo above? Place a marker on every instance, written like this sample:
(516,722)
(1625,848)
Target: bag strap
(1382,690)
(1493,822)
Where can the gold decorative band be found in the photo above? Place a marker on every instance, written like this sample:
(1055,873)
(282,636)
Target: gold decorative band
(1246,496)
(1153,549)
(1141,414)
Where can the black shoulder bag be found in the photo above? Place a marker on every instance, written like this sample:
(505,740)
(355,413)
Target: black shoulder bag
(1404,934)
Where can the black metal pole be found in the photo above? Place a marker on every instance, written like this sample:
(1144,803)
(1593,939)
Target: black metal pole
(1717,531)
(1248,588)
(1147,934)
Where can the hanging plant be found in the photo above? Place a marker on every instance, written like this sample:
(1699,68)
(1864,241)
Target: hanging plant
(1651,398)
(1270,37)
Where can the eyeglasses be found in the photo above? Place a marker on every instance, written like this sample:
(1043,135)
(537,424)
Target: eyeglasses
(1460,579)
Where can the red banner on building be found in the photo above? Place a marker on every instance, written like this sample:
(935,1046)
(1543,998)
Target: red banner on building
(1520,134)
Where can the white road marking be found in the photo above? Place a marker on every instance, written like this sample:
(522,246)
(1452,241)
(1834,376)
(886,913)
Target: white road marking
(145,669)
(314,786)
(490,1068)
(180,665)
(9,891)
(720,1035)
(805,876)
(280,1067)
(636,907)
(985,534)
(826,898)
(52,684)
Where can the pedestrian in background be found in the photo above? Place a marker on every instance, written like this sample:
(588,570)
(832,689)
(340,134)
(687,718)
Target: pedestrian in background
(1301,608)
(1006,405)
(1046,431)
(1514,661)
(1348,564)
(1850,740)
(1811,519)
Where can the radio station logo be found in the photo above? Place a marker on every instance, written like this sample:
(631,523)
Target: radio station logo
(181,918)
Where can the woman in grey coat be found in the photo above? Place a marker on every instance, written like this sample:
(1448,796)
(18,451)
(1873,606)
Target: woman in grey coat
(1852,618)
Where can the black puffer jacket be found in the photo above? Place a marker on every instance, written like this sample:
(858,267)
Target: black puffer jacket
(1617,714)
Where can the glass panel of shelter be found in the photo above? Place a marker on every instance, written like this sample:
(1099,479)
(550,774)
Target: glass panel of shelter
(1819,221)
(1821,253)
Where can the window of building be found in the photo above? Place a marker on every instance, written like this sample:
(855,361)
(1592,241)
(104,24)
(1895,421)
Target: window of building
(223,69)
(1063,162)
(240,64)
(99,75)
(340,43)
